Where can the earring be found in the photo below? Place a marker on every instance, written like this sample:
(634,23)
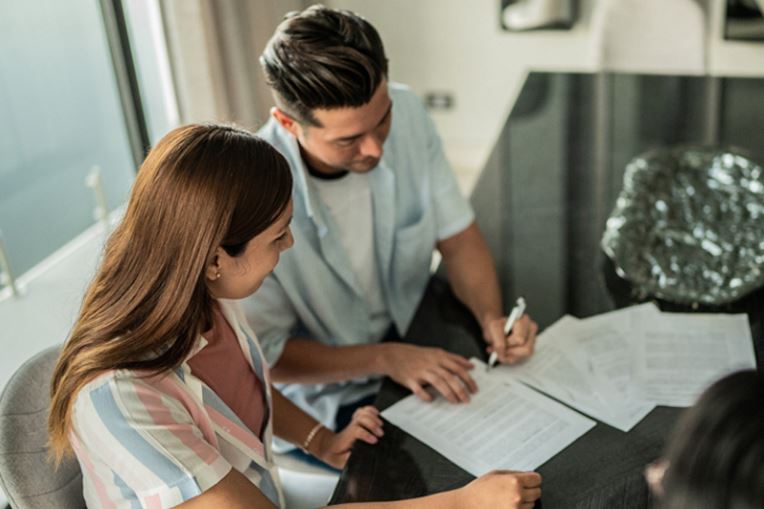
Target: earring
(217,275)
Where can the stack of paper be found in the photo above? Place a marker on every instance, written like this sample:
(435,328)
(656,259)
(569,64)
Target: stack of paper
(614,367)
(587,366)
(617,366)
(504,426)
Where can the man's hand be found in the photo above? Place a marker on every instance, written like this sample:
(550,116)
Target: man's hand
(334,448)
(415,367)
(518,345)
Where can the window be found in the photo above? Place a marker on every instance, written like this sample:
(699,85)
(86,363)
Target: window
(60,115)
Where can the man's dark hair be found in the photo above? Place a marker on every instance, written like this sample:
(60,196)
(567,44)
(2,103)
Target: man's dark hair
(323,58)
(716,454)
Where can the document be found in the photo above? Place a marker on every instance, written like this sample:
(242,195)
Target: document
(587,366)
(680,354)
(624,319)
(607,353)
(505,425)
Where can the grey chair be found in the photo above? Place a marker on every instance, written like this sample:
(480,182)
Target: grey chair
(27,477)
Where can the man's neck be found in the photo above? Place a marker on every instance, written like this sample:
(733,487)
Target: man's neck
(318,169)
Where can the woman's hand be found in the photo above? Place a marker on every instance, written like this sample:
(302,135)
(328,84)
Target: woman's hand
(334,448)
(502,489)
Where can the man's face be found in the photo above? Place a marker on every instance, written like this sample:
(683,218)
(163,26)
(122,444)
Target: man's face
(349,139)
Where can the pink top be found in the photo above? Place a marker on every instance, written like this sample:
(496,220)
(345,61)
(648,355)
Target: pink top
(222,366)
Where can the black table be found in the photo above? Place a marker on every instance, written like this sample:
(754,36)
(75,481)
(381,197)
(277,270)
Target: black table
(542,202)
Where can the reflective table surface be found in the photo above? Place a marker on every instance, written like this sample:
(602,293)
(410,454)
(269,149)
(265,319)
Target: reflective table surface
(542,201)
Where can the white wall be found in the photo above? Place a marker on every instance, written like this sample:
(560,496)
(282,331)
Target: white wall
(458,46)
(731,58)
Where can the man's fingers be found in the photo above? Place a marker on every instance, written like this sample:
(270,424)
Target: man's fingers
(499,341)
(420,392)
(520,351)
(436,380)
(461,361)
(458,387)
(462,374)
(526,350)
(520,331)
(522,341)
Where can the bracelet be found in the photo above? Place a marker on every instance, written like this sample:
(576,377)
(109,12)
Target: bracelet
(313,432)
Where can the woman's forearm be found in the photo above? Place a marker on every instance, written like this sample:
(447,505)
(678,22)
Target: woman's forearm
(292,424)
(445,500)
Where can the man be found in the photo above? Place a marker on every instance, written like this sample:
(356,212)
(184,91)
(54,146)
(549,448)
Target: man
(373,196)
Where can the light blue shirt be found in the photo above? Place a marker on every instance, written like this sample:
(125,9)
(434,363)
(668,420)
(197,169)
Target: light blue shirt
(313,291)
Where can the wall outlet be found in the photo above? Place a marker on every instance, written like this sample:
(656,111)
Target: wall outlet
(439,100)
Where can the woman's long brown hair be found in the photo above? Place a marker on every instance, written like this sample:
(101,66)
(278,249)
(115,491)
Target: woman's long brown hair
(201,187)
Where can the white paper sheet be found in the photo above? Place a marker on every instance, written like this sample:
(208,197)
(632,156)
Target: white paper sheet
(624,319)
(505,425)
(681,354)
(587,366)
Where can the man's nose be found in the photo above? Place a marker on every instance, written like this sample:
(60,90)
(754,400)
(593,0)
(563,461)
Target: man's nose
(290,241)
(371,146)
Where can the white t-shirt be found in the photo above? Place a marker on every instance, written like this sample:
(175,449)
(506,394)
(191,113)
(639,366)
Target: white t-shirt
(348,199)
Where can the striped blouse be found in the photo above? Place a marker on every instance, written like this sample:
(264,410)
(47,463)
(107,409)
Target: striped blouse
(155,442)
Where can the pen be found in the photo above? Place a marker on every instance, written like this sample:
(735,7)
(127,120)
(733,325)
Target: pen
(514,315)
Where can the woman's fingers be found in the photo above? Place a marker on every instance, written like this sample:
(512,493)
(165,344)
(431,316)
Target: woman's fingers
(531,494)
(364,435)
(371,423)
(530,480)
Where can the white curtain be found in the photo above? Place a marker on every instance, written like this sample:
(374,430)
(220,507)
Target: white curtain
(214,47)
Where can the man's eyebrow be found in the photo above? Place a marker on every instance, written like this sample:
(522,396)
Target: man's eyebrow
(381,121)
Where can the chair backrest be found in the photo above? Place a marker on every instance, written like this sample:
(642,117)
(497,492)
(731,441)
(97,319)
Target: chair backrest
(27,477)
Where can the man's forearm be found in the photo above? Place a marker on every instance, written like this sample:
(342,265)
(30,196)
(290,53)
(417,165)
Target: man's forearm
(472,273)
(307,361)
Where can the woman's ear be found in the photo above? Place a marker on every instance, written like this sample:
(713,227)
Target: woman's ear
(212,272)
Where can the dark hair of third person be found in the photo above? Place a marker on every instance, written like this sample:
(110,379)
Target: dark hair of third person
(716,454)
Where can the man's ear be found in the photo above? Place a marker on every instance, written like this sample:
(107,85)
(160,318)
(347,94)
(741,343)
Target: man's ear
(286,121)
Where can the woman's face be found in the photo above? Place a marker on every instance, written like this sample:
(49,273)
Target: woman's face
(236,277)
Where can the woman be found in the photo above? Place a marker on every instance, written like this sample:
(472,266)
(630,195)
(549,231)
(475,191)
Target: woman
(161,390)
(715,458)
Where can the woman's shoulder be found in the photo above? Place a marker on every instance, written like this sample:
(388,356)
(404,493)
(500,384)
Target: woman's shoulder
(118,385)
(104,378)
